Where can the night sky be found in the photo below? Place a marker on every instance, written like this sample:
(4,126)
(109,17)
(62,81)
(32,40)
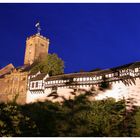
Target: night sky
(85,36)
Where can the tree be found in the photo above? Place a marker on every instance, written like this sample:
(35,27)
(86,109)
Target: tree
(52,65)
(78,117)
(101,118)
(14,123)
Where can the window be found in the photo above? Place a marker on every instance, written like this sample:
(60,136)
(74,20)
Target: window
(80,79)
(32,85)
(54,89)
(116,74)
(23,79)
(42,45)
(84,79)
(127,70)
(109,75)
(136,70)
(88,78)
(74,79)
(106,76)
(36,84)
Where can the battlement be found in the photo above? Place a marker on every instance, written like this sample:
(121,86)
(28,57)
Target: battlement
(36,48)
(37,35)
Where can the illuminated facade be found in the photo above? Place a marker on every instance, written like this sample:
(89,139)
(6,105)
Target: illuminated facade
(18,84)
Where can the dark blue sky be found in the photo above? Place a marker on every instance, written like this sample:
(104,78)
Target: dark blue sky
(85,36)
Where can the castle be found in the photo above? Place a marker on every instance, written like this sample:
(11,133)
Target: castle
(20,85)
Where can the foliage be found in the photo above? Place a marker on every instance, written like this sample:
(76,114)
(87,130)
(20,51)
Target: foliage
(98,118)
(137,118)
(52,65)
(14,123)
(78,117)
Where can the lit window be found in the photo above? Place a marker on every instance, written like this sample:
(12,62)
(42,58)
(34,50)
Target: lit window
(106,76)
(80,79)
(84,79)
(136,70)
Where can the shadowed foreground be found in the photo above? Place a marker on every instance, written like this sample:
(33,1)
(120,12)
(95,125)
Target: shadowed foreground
(79,117)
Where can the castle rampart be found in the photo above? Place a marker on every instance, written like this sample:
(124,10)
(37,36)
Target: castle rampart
(124,82)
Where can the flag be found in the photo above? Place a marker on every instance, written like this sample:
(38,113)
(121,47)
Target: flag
(37,24)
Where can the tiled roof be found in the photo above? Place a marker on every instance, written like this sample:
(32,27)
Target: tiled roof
(33,73)
(74,75)
(95,73)
(130,65)
(86,74)
(6,70)
(38,77)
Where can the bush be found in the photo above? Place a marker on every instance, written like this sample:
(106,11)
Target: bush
(79,117)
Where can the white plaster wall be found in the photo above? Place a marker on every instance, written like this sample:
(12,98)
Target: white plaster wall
(118,91)
(63,93)
(37,96)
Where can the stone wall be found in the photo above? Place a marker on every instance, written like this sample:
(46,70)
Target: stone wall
(36,48)
(13,87)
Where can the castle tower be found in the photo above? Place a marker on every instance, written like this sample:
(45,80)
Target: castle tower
(36,47)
